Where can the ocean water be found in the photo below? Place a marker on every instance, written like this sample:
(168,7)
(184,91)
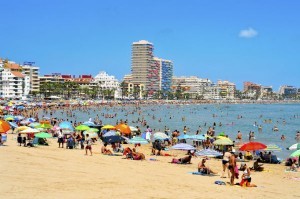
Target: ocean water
(233,117)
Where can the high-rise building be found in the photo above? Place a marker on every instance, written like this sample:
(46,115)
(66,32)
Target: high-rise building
(141,62)
(149,73)
(165,74)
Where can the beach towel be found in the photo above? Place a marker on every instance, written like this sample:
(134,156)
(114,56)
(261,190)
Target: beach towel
(113,154)
(220,183)
(201,173)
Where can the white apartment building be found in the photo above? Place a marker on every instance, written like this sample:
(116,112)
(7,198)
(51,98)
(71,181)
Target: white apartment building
(33,73)
(193,85)
(13,82)
(108,82)
(227,89)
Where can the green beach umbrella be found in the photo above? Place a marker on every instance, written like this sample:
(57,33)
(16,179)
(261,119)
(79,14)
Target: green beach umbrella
(82,128)
(296,153)
(43,135)
(294,147)
(222,134)
(93,130)
(223,142)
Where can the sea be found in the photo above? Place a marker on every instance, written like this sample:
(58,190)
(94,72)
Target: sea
(228,118)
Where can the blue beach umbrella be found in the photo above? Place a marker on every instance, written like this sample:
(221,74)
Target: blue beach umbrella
(183,137)
(111,139)
(197,137)
(66,125)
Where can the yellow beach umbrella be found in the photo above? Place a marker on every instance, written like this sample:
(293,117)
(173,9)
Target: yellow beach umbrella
(21,128)
(108,127)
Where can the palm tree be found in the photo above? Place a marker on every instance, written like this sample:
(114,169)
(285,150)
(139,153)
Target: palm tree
(123,85)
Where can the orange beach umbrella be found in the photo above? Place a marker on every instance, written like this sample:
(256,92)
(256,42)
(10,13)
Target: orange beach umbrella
(4,126)
(123,128)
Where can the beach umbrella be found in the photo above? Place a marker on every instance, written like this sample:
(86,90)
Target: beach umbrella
(89,123)
(223,142)
(111,139)
(24,122)
(29,130)
(13,124)
(43,135)
(183,137)
(253,146)
(22,128)
(132,128)
(123,128)
(197,137)
(294,147)
(82,128)
(93,130)
(208,153)
(4,126)
(159,136)
(9,118)
(44,126)
(66,125)
(183,146)
(296,153)
(34,124)
(108,126)
(110,133)
(272,147)
(222,134)
(137,140)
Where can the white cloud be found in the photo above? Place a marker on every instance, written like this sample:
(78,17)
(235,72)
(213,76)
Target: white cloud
(248,33)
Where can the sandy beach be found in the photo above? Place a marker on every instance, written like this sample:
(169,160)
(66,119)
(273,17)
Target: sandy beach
(52,172)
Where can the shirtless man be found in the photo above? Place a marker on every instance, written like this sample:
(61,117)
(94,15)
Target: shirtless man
(232,164)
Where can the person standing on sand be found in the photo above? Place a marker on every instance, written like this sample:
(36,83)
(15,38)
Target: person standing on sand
(88,145)
(60,139)
(225,163)
(232,165)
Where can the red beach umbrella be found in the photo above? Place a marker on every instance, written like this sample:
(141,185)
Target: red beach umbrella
(253,146)
(4,126)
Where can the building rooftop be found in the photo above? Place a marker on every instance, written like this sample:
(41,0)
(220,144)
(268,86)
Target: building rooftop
(12,66)
(17,74)
(142,42)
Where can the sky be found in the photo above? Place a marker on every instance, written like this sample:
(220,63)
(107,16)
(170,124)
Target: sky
(234,40)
